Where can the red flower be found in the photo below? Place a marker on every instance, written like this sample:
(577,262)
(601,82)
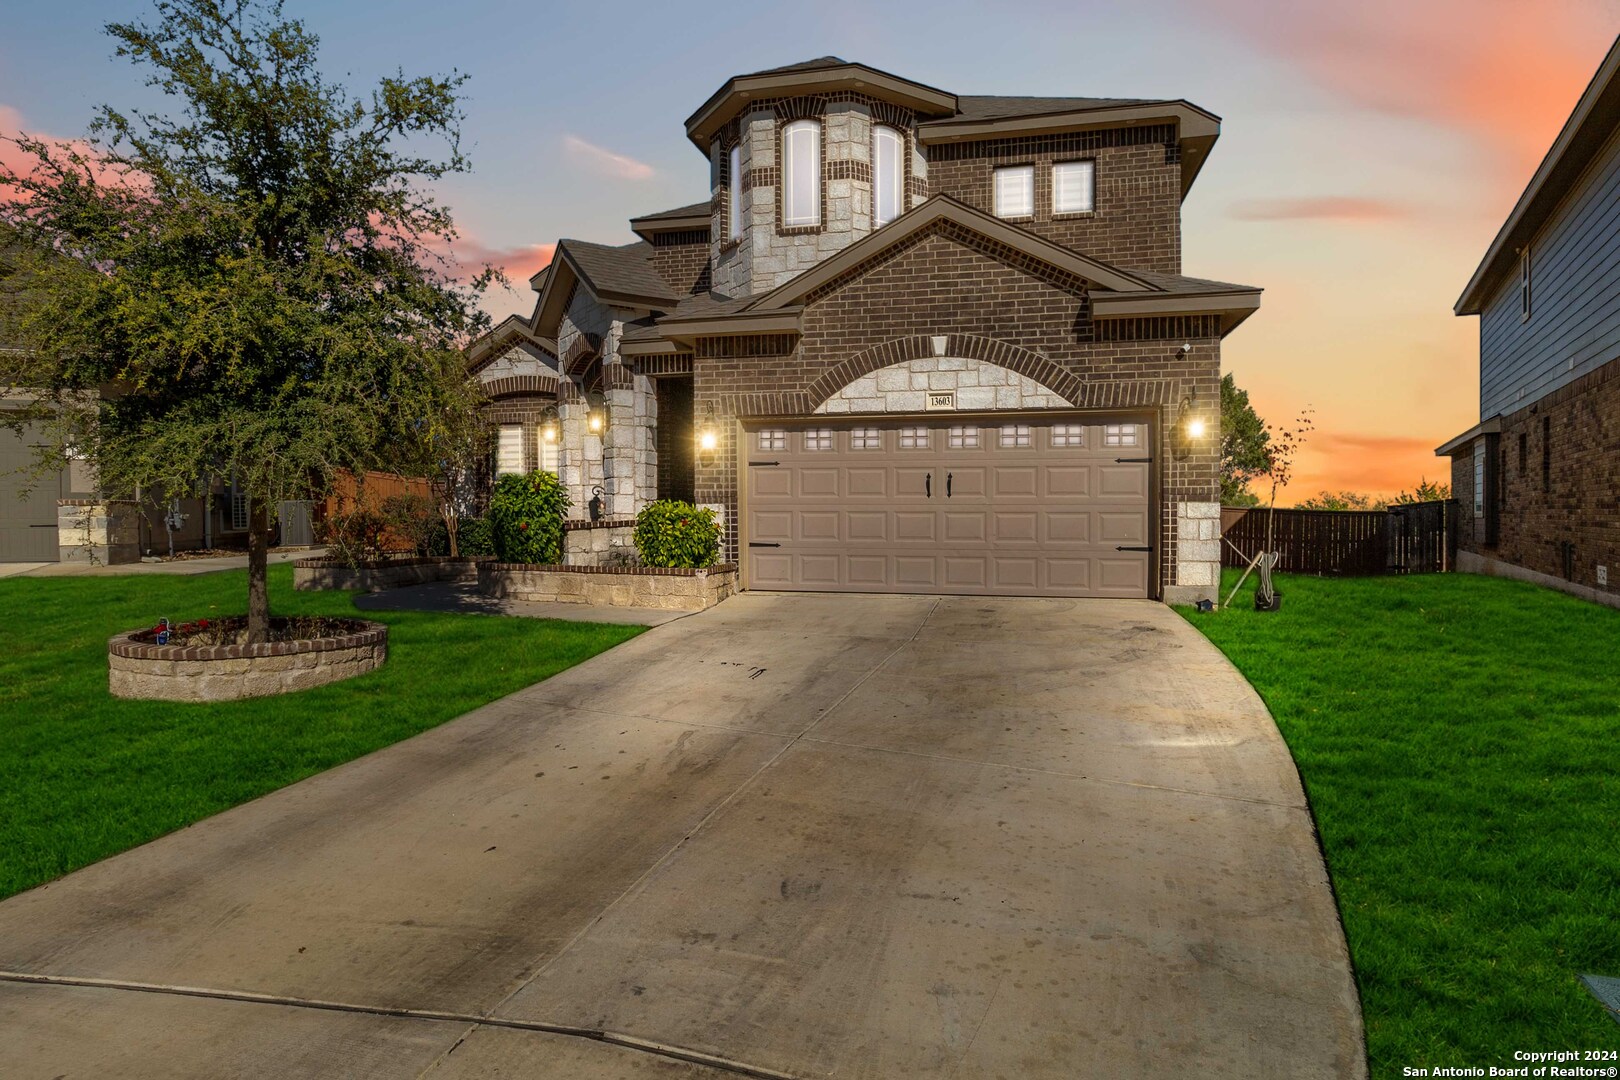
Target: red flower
(203,623)
(524,526)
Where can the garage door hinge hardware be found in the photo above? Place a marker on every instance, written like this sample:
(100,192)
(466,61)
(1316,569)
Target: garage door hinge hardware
(1132,460)
(1126,548)
(762,543)
(764,463)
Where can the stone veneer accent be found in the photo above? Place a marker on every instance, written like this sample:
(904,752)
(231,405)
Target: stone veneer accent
(1197,553)
(100,532)
(665,589)
(137,669)
(599,543)
(904,388)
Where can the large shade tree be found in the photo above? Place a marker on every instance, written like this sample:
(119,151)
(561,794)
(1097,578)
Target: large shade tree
(252,285)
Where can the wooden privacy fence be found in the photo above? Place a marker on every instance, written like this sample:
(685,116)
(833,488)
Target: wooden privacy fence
(1416,538)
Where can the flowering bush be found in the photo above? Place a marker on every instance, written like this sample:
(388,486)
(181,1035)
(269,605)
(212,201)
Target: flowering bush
(526,516)
(671,533)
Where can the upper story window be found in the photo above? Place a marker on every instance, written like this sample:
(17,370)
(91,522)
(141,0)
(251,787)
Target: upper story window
(1015,191)
(888,174)
(801,173)
(734,192)
(1074,187)
(1524,285)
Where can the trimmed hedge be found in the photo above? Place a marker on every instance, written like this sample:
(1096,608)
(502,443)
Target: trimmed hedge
(671,533)
(526,518)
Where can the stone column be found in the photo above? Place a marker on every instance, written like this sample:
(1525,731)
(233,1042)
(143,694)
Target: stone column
(1197,553)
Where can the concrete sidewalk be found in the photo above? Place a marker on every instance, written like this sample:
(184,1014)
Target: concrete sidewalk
(177,566)
(804,836)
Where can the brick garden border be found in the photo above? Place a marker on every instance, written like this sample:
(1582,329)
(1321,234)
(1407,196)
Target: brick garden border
(139,668)
(664,588)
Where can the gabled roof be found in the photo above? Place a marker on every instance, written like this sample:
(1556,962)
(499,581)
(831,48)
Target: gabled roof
(621,276)
(512,331)
(1115,293)
(1595,119)
(827,74)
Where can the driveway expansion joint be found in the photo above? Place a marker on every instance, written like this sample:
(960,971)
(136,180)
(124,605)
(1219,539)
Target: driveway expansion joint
(613,1038)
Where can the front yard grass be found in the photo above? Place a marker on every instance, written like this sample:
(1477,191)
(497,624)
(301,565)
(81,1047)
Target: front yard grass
(84,775)
(1459,739)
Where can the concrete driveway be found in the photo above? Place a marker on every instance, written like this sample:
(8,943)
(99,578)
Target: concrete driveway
(802,836)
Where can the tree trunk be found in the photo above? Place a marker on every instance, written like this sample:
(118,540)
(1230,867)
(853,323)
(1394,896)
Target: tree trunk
(258,628)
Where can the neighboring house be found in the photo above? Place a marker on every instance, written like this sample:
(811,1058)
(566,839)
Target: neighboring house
(1538,476)
(911,341)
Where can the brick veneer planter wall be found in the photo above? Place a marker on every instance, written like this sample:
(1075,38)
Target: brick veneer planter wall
(312,574)
(609,586)
(139,669)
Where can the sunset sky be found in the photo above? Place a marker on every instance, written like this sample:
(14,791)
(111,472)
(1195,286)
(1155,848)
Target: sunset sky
(1369,151)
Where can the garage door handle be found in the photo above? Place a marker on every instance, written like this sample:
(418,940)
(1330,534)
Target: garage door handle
(948,484)
(762,543)
(1132,460)
(928,485)
(1123,547)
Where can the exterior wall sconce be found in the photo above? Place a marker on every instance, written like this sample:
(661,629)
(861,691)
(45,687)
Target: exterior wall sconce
(597,418)
(596,503)
(548,424)
(708,439)
(1192,423)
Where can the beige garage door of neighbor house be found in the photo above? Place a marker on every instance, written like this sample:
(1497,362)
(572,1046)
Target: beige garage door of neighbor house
(27,507)
(1049,508)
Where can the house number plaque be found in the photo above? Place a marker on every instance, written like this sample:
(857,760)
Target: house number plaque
(941,399)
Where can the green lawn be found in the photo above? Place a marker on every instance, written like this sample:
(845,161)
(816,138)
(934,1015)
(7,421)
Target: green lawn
(1459,738)
(84,775)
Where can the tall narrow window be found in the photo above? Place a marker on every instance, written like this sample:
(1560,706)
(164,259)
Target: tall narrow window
(1015,191)
(1479,478)
(801,173)
(888,174)
(1546,454)
(1524,455)
(1074,187)
(550,455)
(1524,284)
(734,192)
(509,450)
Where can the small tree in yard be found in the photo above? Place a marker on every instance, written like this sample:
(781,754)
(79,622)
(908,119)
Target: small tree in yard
(1282,446)
(248,288)
(456,438)
(1245,445)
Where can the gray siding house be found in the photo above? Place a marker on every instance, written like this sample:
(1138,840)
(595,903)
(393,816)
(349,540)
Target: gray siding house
(1539,475)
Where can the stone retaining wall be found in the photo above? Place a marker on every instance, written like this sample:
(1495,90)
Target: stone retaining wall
(645,587)
(599,543)
(310,574)
(137,669)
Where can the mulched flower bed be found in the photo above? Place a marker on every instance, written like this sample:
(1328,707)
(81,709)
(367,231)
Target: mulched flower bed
(232,630)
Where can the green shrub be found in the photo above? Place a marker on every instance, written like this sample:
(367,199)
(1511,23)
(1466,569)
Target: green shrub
(526,516)
(412,521)
(670,533)
(474,537)
(353,537)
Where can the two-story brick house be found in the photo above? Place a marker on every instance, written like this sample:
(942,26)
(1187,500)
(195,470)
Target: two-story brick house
(1539,475)
(911,341)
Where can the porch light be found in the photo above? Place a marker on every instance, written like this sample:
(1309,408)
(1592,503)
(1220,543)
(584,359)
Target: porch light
(596,418)
(1195,428)
(548,424)
(708,434)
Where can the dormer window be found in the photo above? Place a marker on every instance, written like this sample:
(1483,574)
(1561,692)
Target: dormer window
(1015,191)
(888,174)
(801,173)
(734,192)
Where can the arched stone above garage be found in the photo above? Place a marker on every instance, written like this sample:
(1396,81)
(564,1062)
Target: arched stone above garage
(977,386)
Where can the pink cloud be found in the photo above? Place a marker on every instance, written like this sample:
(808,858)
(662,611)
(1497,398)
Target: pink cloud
(1321,208)
(605,162)
(15,159)
(1504,72)
(520,263)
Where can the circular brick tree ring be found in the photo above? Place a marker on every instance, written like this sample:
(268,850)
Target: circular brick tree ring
(137,667)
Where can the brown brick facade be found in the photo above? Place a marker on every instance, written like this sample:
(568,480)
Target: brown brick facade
(1558,464)
(1025,316)
(682,259)
(1137,220)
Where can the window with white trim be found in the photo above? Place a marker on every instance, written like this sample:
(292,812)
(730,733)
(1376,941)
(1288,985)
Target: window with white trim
(1015,191)
(1068,435)
(963,438)
(734,192)
(1479,478)
(1014,435)
(913,438)
(1119,434)
(888,174)
(801,173)
(866,438)
(773,439)
(239,508)
(1074,187)
(818,439)
(1524,284)
(550,454)
(509,450)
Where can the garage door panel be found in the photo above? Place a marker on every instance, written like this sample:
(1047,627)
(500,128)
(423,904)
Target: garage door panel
(1042,518)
